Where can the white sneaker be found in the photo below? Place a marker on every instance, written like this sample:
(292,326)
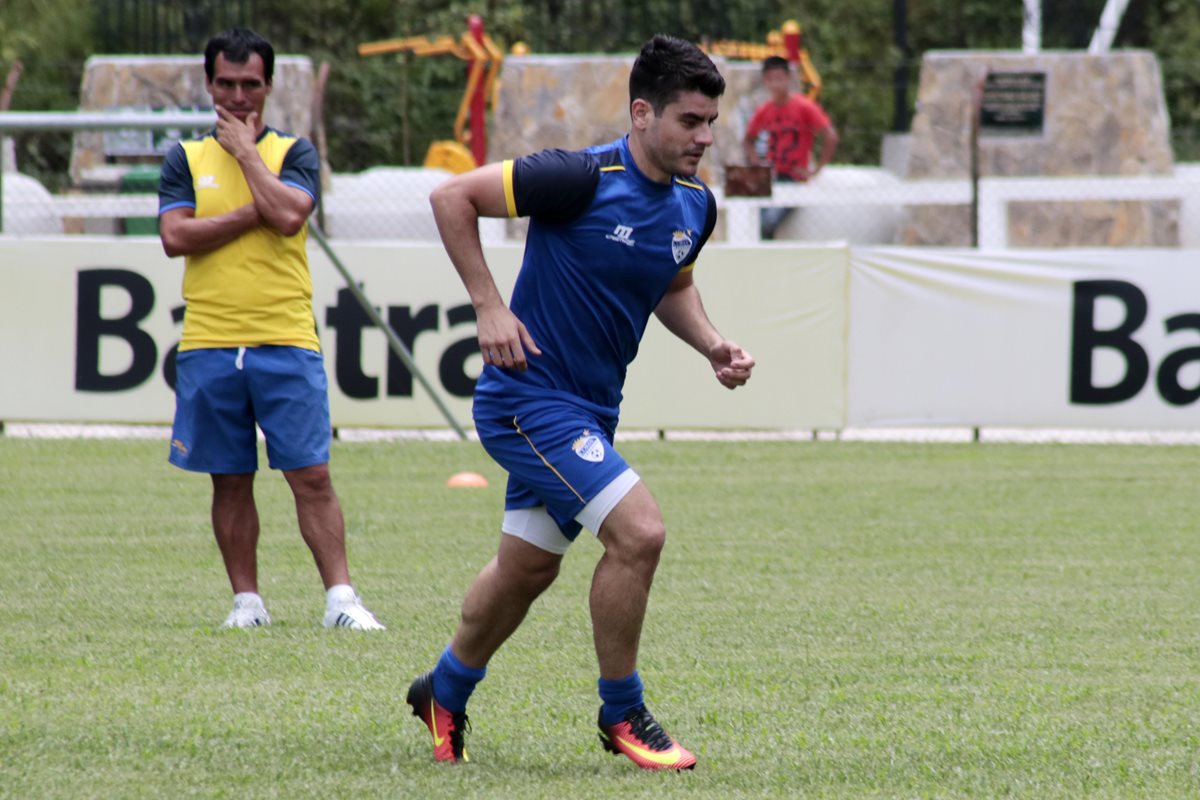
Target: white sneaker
(351,613)
(248,612)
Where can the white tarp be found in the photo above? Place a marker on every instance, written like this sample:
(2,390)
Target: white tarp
(1063,338)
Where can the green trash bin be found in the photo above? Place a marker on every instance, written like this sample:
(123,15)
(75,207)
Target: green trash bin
(141,179)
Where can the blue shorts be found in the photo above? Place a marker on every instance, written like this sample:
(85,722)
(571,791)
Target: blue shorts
(556,455)
(222,393)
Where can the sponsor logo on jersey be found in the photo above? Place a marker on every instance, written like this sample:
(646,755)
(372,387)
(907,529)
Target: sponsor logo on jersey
(207,182)
(681,245)
(589,447)
(622,234)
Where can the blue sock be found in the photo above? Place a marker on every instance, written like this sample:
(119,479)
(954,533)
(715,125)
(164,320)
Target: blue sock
(619,696)
(453,682)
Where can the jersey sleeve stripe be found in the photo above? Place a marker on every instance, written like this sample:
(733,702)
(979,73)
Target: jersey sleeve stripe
(510,197)
(301,187)
(176,204)
(617,168)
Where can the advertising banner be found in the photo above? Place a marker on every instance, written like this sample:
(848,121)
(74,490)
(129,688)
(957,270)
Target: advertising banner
(90,327)
(787,307)
(1060,338)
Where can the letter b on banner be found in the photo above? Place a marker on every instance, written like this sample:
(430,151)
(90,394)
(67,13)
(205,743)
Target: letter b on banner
(90,327)
(1086,338)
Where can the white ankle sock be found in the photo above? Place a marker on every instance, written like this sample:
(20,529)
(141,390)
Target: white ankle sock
(339,593)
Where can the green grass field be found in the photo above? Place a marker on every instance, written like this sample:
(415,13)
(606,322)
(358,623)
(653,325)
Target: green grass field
(830,619)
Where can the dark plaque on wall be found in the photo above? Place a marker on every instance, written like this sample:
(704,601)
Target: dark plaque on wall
(1013,102)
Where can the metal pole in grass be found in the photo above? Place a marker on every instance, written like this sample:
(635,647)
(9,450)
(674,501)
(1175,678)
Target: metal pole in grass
(394,342)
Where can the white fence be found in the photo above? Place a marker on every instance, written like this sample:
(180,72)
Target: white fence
(389,203)
(857,205)
(995,195)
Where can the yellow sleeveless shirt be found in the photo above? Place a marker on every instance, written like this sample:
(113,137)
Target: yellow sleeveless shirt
(256,289)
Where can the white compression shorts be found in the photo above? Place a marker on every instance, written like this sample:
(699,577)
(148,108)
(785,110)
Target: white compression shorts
(536,526)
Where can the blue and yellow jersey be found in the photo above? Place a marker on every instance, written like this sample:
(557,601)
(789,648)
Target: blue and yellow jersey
(604,244)
(256,289)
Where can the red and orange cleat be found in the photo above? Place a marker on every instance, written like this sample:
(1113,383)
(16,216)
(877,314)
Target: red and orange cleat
(447,727)
(640,737)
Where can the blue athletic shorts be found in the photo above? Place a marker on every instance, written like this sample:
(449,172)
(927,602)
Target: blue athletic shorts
(556,455)
(221,393)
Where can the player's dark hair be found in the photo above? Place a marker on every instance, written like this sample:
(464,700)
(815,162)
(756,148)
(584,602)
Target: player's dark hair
(776,62)
(668,66)
(238,44)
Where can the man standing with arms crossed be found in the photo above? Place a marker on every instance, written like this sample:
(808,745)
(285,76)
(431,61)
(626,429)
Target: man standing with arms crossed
(613,236)
(236,203)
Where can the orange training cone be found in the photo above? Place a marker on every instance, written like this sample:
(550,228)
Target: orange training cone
(466,480)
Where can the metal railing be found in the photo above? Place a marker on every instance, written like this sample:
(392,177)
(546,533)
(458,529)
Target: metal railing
(73,121)
(859,205)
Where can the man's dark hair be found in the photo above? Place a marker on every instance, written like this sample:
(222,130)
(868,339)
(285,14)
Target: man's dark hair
(238,44)
(668,66)
(776,62)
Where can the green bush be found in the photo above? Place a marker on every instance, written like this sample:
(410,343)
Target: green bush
(51,39)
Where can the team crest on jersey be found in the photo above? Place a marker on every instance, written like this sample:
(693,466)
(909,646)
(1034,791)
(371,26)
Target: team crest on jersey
(589,447)
(681,245)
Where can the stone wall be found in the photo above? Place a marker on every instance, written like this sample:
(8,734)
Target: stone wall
(1104,115)
(541,101)
(155,82)
(578,101)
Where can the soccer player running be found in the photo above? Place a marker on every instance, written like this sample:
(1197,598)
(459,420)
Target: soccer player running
(613,236)
(236,203)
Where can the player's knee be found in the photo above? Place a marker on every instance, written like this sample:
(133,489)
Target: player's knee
(536,580)
(642,542)
(310,482)
(530,576)
(233,488)
(653,539)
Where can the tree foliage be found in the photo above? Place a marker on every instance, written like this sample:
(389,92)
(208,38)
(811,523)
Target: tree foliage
(387,109)
(50,39)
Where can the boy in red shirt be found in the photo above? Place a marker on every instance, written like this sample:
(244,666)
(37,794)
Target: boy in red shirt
(793,123)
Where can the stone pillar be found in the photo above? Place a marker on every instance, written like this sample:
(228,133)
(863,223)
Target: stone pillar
(1105,115)
(574,102)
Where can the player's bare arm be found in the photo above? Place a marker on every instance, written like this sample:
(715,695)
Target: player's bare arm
(682,313)
(458,203)
(828,137)
(284,208)
(183,233)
